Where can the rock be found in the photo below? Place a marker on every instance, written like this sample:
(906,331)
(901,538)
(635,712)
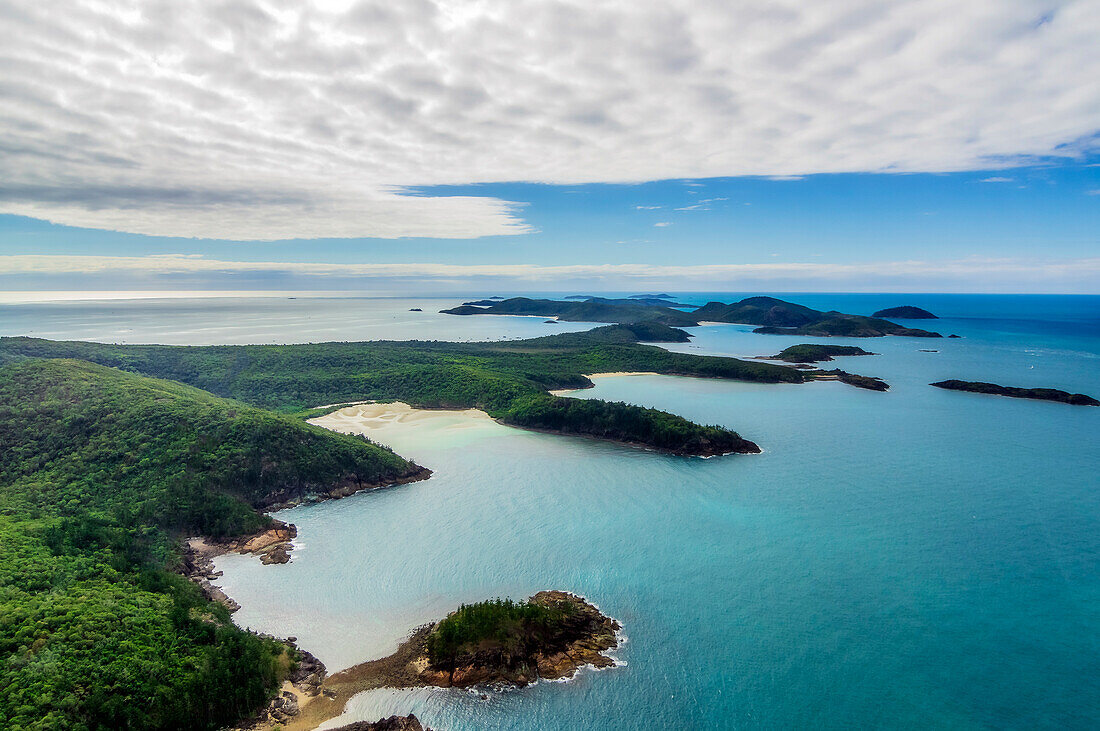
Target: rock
(278,554)
(393,723)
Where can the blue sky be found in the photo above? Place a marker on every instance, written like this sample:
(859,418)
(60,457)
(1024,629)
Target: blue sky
(271,144)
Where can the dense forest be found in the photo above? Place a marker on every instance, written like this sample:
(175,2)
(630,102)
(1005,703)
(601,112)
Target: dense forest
(509,380)
(500,625)
(101,472)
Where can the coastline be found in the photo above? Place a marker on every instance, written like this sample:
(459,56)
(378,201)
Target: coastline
(593,376)
(408,667)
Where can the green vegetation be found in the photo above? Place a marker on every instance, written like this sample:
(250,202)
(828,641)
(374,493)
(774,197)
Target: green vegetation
(778,317)
(810,353)
(906,312)
(499,627)
(509,380)
(590,310)
(775,316)
(100,472)
(1041,394)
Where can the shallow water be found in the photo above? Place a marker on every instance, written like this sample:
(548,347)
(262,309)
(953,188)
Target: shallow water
(913,559)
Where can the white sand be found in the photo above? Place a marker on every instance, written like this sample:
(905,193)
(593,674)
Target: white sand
(369,415)
(594,376)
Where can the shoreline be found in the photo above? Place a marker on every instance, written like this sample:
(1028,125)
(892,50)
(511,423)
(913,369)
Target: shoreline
(609,374)
(408,667)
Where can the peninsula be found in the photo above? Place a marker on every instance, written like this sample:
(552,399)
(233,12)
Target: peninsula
(1041,394)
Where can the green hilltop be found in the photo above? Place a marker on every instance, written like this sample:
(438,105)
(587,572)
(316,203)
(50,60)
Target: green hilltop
(101,472)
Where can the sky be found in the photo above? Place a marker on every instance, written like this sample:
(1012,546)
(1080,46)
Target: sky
(445,145)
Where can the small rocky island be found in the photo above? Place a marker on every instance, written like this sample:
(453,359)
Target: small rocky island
(811,353)
(499,642)
(906,312)
(1042,394)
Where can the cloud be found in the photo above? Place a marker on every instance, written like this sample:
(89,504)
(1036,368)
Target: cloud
(662,224)
(165,264)
(647,208)
(786,177)
(1093,192)
(272,119)
(997,179)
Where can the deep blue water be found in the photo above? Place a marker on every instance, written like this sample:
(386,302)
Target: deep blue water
(912,559)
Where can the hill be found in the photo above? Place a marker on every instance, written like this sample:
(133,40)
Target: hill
(778,317)
(906,312)
(591,310)
(100,473)
(509,380)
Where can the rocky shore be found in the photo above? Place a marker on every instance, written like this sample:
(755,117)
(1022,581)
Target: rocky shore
(590,635)
(272,545)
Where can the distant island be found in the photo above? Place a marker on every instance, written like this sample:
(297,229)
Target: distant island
(812,353)
(774,316)
(550,636)
(906,312)
(1042,394)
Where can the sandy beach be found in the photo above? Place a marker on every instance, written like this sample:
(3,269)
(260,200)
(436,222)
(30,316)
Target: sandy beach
(594,376)
(363,417)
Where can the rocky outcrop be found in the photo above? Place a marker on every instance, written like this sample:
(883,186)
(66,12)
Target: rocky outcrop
(393,723)
(272,545)
(349,486)
(585,642)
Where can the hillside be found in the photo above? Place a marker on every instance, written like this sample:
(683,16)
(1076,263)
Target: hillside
(509,380)
(591,310)
(773,316)
(778,317)
(100,472)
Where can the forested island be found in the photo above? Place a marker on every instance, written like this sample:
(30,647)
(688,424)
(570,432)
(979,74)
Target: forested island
(774,316)
(1041,394)
(906,312)
(812,353)
(550,636)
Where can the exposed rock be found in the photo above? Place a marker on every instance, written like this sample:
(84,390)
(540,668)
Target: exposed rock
(393,723)
(278,554)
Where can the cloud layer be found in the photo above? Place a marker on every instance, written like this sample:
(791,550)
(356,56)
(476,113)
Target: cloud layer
(269,119)
(969,274)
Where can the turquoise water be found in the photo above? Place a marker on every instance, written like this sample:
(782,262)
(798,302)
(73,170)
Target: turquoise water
(914,559)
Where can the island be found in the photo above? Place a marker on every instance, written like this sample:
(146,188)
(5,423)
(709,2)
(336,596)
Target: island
(852,379)
(499,642)
(906,312)
(1041,394)
(774,316)
(812,353)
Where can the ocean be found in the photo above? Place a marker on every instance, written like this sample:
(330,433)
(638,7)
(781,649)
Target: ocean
(912,559)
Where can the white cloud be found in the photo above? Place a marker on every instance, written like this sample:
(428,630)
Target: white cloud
(997,179)
(1039,269)
(647,208)
(662,224)
(1093,192)
(269,119)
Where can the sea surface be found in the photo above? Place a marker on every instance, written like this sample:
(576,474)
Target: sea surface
(912,559)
